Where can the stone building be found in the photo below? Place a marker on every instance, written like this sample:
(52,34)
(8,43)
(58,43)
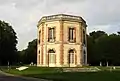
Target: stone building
(61,41)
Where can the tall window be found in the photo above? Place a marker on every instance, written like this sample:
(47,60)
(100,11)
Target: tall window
(51,34)
(84,56)
(39,37)
(51,53)
(71,36)
(84,37)
(71,56)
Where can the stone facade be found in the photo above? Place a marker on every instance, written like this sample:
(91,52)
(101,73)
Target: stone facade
(54,48)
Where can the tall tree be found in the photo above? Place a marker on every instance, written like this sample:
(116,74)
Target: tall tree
(92,40)
(97,34)
(30,54)
(103,48)
(31,51)
(8,41)
(90,49)
(118,33)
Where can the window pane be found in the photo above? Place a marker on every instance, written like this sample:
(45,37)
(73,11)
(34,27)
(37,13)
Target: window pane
(84,58)
(51,34)
(71,34)
(48,33)
(83,36)
(39,37)
(52,58)
(71,57)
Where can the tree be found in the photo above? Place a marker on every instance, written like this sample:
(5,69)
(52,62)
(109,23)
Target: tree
(97,34)
(108,49)
(21,56)
(90,49)
(8,42)
(30,54)
(103,48)
(118,33)
(92,40)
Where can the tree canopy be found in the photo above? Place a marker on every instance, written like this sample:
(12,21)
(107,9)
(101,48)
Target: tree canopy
(8,42)
(30,54)
(103,48)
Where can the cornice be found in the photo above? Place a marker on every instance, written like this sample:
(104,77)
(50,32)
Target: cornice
(58,42)
(61,17)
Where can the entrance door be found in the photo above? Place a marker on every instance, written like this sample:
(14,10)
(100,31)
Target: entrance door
(71,57)
(51,57)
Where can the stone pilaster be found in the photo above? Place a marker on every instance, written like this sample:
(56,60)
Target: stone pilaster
(81,40)
(61,45)
(42,43)
(47,55)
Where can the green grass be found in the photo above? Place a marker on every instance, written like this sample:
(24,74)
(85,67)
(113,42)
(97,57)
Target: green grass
(55,74)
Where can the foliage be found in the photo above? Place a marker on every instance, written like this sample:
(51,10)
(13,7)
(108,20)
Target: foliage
(8,41)
(29,55)
(103,48)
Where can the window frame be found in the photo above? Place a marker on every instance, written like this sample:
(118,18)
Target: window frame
(84,37)
(52,56)
(39,37)
(51,34)
(71,30)
(71,56)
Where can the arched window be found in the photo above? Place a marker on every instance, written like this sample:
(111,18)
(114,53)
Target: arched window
(71,56)
(51,57)
(51,51)
(84,56)
(84,35)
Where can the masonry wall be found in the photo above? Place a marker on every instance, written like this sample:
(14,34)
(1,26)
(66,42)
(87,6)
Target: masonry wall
(61,45)
(76,45)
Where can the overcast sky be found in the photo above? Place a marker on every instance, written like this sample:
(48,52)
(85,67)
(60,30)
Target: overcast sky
(23,15)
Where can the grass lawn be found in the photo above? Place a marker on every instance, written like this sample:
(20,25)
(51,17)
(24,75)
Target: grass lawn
(55,74)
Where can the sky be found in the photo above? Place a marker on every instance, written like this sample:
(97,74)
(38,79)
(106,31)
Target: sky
(24,15)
